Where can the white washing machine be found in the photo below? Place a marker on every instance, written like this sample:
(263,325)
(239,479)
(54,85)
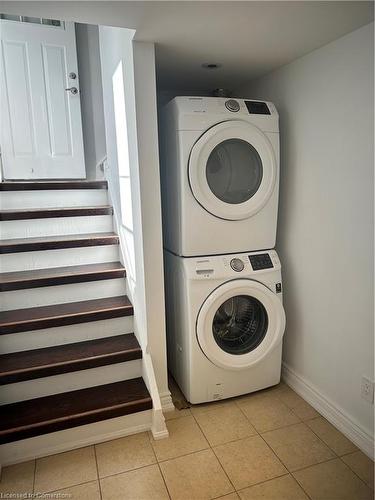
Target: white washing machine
(220,175)
(225,323)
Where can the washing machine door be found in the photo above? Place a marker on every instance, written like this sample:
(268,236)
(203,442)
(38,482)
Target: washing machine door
(232,170)
(239,324)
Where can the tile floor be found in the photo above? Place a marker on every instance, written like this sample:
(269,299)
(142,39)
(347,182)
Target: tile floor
(271,446)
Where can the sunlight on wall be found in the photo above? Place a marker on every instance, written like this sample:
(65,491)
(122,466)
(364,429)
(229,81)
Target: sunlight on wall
(123,164)
(122,146)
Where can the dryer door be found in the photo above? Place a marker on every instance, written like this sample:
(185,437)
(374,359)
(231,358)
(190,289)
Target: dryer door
(232,170)
(239,324)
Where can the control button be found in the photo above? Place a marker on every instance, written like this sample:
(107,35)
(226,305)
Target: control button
(237,265)
(232,105)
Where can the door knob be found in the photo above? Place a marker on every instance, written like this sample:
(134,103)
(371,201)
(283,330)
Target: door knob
(72,90)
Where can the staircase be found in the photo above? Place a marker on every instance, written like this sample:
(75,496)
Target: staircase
(70,364)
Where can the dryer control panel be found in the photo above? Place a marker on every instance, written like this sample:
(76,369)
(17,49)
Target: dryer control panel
(260,261)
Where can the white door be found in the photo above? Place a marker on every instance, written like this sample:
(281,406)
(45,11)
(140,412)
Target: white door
(240,323)
(232,170)
(41,127)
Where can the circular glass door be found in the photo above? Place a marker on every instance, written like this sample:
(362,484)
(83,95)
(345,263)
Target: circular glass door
(232,170)
(239,324)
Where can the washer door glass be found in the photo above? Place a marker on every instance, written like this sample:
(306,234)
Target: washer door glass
(234,171)
(240,324)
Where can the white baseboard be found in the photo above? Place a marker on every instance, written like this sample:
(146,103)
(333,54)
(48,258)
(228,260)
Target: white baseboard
(332,413)
(166,401)
(77,437)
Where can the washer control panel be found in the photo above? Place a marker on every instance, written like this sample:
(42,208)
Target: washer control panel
(260,261)
(237,265)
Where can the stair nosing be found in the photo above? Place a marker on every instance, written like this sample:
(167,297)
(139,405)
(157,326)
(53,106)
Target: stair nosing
(74,363)
(52,185)
(50,213)
(47,321)
(18,245)
(73,274)
(105,402)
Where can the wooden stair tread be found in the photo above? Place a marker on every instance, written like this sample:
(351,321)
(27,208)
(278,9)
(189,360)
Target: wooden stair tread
(44,213)
(35,318)
(57,242)
(60,275)
(27,365)
(62,411)
(42,185)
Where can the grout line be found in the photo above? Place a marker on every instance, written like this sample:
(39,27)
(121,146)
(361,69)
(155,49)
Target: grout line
(158,464)
(46,493)
(34,475)
(97,472)
(217,458)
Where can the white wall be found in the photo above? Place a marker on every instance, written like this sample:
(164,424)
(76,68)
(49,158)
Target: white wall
(129,91)
(325,233)
(87,38)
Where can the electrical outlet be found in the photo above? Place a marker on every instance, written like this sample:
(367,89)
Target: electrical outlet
(367,389)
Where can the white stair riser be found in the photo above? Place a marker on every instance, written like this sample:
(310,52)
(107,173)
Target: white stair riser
(75,292)
(29,261)
(53,199)
(69,334)
(72,381)
(59,226)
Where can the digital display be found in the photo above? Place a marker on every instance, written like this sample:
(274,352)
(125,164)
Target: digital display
(257,108)
(260,261)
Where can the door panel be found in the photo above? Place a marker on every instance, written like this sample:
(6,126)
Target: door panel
(54,64)
(41,129)
(17,76)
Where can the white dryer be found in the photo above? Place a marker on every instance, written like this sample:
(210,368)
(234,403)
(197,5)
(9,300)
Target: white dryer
(225,323)
(220,175)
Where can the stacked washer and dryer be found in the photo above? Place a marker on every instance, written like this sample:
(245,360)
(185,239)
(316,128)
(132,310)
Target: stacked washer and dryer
(220,185)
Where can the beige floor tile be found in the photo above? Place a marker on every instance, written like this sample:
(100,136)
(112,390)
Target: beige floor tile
(297,446)
(362,466)
(224,424)
(266,412)
(196,476)
(171,415)
(17,478)
(141,484)
(124,454)
(265,395)
(231,496)
(331,436)
(281,488)
(332,480)
(289,397)
(86,491)
(213,405)
(305,411)
(249,461)
(66,469)
(184,437)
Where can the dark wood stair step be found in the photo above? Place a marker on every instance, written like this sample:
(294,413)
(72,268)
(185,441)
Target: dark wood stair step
(37,318)
(57,242)
(28,365)
(60,276)
(43,185)
(39,416)
(46,213)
